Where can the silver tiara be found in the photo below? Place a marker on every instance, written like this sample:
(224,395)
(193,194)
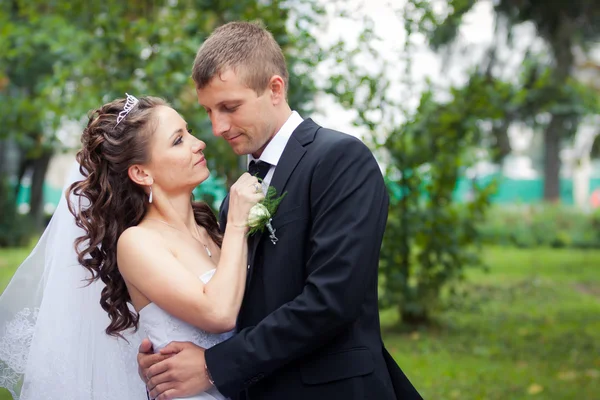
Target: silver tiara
(129,104)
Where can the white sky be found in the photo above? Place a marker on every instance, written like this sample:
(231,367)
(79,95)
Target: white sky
(476,33)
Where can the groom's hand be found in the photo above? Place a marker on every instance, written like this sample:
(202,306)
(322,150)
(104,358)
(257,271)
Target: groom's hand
(183,374)
(146,358)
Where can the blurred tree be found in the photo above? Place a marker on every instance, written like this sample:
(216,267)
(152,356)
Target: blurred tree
(63,58)
(30,48)
(564,26)
(430,237)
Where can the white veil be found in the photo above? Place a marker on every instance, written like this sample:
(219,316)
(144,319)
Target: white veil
(52,339)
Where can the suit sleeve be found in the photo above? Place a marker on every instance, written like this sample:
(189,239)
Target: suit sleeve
(223,210)
(349,210)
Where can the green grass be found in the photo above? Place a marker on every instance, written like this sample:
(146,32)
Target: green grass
(10,259)
(527,330)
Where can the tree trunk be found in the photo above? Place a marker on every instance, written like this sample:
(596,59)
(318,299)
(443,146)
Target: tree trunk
(552,138)
(3,159)
(40,167)
(561,44)
(24,164)
(413,317)
(502,145)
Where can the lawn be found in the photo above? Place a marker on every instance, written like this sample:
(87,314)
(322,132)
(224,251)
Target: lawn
(528,330)
(9,261)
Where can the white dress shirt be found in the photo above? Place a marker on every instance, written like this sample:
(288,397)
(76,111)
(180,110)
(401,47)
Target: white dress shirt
(272,153)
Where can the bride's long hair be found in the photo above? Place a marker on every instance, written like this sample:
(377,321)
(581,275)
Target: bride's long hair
(115,202)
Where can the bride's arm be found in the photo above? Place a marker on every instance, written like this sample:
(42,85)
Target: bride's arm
(148,265)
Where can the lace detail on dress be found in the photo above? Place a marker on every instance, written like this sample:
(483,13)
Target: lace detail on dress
(163,328)
(14,348)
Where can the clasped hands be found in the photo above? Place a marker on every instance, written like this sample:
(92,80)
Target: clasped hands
(177,371)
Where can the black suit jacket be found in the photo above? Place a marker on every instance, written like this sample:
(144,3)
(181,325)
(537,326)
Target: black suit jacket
(308,327)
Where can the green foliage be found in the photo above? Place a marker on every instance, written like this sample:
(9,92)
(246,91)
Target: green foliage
(430,239)
(15,229)
(442,31)
(60,60)
(541,225)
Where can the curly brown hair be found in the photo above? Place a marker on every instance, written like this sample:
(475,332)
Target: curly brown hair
(115,202)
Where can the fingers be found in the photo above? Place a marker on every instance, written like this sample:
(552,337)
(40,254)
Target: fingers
(244,182)
(168,394)
(163,391)
(156,372)
(180,376)
(252,190)
(258,196)
(145,346)
(159,374)
(246,178)
(244,194)
(172,348)
(248,190)
(147,360)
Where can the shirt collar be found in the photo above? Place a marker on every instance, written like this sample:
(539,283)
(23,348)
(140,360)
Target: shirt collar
(272,153)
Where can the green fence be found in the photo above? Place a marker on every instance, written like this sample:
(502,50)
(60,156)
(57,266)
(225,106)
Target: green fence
(510,191)
(521,191)
(214,187)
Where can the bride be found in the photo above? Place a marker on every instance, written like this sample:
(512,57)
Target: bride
(137,254)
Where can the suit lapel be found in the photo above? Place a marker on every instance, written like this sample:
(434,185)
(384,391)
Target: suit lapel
(290,158)
(292,154)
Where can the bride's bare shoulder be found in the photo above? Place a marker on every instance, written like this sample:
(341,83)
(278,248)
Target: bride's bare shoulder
(139,248)
(135,236)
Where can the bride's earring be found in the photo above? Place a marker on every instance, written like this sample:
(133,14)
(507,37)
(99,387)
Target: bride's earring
(150,197)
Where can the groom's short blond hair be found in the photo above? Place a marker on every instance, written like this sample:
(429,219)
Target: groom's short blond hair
(245,47)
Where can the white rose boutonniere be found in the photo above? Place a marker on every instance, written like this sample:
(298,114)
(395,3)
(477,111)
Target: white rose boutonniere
(258,213)
(261,214)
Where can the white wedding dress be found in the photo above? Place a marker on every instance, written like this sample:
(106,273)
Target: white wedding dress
(162,328)
(53,344)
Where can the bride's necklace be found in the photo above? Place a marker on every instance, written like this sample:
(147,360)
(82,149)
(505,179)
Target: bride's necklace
(174,227)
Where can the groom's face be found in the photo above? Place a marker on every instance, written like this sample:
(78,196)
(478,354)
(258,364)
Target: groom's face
(238,114)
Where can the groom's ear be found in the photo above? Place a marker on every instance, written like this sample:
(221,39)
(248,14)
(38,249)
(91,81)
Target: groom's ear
(277,88)
(140,175)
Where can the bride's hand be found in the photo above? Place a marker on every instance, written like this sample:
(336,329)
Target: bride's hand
(243,195)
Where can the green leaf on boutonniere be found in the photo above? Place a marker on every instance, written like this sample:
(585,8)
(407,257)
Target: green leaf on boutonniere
(262,212)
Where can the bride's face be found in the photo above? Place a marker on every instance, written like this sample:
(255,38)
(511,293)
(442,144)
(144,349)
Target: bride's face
(177,163)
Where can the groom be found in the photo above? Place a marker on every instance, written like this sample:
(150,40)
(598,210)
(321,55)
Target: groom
(309,324)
